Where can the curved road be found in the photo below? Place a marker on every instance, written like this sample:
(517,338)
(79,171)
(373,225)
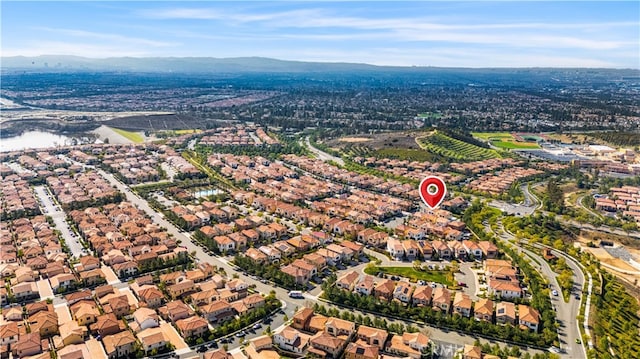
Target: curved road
(566,313)
(531,198)
(321,154)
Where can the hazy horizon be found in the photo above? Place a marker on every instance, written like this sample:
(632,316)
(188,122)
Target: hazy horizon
(436,34)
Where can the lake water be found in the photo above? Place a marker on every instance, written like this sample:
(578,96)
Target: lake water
(33,139)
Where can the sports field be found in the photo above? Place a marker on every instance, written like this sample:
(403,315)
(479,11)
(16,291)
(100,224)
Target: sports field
(505,140)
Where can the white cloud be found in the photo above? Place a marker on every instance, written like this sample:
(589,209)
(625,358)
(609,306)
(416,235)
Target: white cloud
(585,35)
(115,38)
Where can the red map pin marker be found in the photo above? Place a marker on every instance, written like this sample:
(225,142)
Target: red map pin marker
(432,191)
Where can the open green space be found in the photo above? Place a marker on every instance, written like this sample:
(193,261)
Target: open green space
(506,140)
(132,136)
(455,149)
(414,275)
(515,145)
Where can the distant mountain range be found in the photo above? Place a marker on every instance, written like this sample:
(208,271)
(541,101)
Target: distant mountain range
(177,64)
(206,65)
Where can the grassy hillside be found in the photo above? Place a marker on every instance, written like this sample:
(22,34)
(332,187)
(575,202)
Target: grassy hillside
(453,149)
(132,136)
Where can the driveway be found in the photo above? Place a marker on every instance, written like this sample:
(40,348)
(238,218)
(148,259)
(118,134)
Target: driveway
(44,288)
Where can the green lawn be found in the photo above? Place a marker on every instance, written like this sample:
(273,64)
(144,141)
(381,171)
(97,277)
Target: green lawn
(504,140)
(132,136)
(442,277)
(515,145)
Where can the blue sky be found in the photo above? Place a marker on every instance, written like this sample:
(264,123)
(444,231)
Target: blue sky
(467,34)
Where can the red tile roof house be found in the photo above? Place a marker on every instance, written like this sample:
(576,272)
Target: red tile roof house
(372,336)
(345,253)
(365,286)
(395,249)
(291,340)
(330,257)
(348,281)
(299,263)
(315,259)
(192,327)
(473,249)
(217,311)
(403,292)
(372,237)
(384,289)
(175,310)
(488,249)
(411,249)
(441,299)
(528,317)
(224,243)
(301,276)
(422,295)
(273,255)
(505,313)
(462,304)
(356,248)
(483,310)
(151,296)
(28,345)
(504,288)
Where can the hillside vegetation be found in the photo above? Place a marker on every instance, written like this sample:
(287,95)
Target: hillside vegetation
(454,149)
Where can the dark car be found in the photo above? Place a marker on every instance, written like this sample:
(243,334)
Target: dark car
(202,349)
(213,345)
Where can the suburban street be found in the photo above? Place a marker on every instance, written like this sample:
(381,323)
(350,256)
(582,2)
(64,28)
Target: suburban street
(323,155)
(446,340)
(54,211)
(566,313)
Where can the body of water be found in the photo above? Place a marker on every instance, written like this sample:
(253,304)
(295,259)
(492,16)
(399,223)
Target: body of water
(33,139)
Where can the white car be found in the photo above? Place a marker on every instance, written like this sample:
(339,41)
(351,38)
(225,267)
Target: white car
(554,292)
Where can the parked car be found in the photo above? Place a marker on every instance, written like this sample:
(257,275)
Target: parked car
(554,292)
(462,284)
